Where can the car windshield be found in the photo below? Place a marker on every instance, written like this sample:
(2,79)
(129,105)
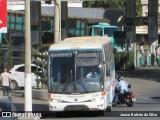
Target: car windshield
(69,72)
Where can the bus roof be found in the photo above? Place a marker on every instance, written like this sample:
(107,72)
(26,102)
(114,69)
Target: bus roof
(104,25)
(86,43)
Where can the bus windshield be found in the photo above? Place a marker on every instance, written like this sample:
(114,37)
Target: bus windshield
(109,31)
(74,72)
(97,32)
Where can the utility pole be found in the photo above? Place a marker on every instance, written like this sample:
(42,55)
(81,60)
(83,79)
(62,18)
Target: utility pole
(64,20)
(57,21)
(131,29)
(153,24)
(27,78)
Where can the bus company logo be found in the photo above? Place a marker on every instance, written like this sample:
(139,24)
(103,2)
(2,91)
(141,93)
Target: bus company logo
(75,99)
(6,114)
(21,115)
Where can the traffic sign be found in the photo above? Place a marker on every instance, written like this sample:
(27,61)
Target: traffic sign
(3,16)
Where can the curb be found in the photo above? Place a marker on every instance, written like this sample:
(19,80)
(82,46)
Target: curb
(36,94)
(40,94)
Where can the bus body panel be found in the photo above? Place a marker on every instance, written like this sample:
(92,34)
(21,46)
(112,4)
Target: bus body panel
(93,101)
(75,43)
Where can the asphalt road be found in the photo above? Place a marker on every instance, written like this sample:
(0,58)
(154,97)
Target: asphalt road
(145,84)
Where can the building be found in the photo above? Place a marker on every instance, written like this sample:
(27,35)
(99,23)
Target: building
(79,19)
(142,31)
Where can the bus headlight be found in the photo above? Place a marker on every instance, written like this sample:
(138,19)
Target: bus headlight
(55,100)
(94,99)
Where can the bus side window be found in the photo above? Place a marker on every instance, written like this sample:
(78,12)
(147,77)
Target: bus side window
(106,60)
(109,59)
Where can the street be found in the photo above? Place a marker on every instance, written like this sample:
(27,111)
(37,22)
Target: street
(145,85)
(78,37)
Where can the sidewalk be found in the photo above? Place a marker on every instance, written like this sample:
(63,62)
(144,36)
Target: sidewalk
(19,100)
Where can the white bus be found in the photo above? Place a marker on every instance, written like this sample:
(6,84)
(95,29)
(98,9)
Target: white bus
(70,87)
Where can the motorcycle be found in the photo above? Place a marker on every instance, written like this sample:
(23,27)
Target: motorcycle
(127,98)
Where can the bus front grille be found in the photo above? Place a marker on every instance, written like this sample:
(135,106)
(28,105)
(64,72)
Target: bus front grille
(76,108)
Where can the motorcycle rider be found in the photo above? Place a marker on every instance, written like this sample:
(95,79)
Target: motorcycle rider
(120,90)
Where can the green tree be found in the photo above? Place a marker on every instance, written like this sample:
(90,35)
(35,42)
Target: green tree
(40,59)
(138,8)
(118,4)
(9,61)
(105,4)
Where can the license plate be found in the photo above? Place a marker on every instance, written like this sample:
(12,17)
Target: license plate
(134,99)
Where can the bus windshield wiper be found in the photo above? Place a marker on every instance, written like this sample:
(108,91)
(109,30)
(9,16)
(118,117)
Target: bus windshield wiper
(79,82)
(65,87)
(83,86)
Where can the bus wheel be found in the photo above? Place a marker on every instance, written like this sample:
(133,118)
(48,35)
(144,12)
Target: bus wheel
(109,109)
(101,113)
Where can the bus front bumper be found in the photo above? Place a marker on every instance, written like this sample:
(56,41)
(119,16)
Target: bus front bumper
(80,106)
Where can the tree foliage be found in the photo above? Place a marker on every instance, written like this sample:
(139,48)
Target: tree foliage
(138,8)
(118,4)
(40,59)
(105,3)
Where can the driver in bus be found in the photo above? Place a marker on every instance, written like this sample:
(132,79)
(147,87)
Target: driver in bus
(92,74)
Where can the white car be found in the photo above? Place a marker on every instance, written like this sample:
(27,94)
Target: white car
(17,75)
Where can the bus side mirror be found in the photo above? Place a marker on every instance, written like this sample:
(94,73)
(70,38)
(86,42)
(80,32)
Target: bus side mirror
(104,62)
(107,68)
(107,71)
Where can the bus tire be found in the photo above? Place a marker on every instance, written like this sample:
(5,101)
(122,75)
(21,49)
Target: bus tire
(101,113)
(109,109)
